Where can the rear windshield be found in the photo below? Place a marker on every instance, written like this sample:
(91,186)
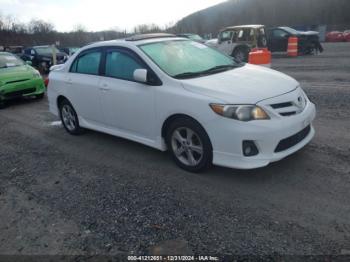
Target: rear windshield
(45,50)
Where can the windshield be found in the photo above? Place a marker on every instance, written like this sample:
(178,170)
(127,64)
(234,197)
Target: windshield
(9,60)
(195,37)
(44,50)
(178,57)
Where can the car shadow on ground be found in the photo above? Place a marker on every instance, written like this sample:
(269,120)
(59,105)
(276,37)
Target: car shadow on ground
(21,101)
(153,158)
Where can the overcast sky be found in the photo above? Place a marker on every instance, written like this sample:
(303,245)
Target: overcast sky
(98,15)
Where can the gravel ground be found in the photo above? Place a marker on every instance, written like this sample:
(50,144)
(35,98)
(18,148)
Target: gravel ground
(98,194)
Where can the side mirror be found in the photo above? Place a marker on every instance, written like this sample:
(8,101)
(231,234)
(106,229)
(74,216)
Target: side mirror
(140,75)
(28,62)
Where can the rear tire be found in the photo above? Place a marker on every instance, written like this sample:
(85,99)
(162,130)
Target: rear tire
(69,118)
(241,54)
(189,145)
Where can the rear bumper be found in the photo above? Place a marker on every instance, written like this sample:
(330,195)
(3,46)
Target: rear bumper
(22,89)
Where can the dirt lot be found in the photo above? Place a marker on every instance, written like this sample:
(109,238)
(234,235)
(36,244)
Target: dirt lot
(98,194)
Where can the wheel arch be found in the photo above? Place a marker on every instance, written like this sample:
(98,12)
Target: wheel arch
(59,100)
(172,118)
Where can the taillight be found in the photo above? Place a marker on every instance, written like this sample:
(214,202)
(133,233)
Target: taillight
(46,81)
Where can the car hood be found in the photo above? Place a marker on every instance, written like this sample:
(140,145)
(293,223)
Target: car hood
(248,84)
(15,73)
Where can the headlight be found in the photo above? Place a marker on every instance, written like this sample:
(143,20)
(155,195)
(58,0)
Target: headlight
(36,74)
(240,112)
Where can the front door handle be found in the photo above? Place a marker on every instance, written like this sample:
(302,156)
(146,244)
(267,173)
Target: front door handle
(104,87)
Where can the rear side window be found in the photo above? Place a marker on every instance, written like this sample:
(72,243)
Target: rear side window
(88,63)
(121,65)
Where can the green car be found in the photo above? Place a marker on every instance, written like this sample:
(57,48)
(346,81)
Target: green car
(18,79)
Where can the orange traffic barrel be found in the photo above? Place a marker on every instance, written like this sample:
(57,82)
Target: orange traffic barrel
(260,56)
(292,46)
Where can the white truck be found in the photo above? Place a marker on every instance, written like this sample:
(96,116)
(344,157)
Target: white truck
(237,41)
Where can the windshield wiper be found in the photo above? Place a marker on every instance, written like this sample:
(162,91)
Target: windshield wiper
(219,68)
(188,75)
(214,69)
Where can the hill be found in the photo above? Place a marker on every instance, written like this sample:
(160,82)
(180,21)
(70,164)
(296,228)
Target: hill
(333,13)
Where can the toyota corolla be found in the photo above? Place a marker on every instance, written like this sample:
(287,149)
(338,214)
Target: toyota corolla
(178,95)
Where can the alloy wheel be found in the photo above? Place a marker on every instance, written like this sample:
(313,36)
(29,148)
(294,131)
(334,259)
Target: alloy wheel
(68,117)
(187,146)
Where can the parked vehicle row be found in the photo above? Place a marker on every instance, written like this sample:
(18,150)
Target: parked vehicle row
(238,41)
(337,36)
(179,95)
(41,57)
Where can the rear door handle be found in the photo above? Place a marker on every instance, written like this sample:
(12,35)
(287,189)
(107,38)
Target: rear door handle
(69,82)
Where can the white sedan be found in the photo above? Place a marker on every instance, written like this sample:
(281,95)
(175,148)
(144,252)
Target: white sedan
(175,94)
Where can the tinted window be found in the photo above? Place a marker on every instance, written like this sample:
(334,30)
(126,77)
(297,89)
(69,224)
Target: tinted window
(246,35)
(87,63)
(121,65)
(279,33)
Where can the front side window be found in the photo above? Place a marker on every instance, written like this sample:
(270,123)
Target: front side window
(226,36)
(185,58)
(121,65)
(88,63)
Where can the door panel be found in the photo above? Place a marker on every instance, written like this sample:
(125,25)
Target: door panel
(127,105)
(225,42)
(83,83)
(83,92)
(279,40)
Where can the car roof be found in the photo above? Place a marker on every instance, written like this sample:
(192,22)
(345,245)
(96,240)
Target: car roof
(243,26)
(186,34)
(135,41)
(40,46)
(148,36)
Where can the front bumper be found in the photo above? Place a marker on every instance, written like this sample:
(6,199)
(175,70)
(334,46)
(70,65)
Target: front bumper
(21,89)
(227,136)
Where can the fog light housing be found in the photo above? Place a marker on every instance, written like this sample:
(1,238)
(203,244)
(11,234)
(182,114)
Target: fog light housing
(249,148)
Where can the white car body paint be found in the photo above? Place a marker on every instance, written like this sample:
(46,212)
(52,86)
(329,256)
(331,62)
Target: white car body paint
(138,111)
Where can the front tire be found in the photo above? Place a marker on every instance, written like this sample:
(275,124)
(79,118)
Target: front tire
(2,104)
(69,118)
(189,145)
(40,96)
